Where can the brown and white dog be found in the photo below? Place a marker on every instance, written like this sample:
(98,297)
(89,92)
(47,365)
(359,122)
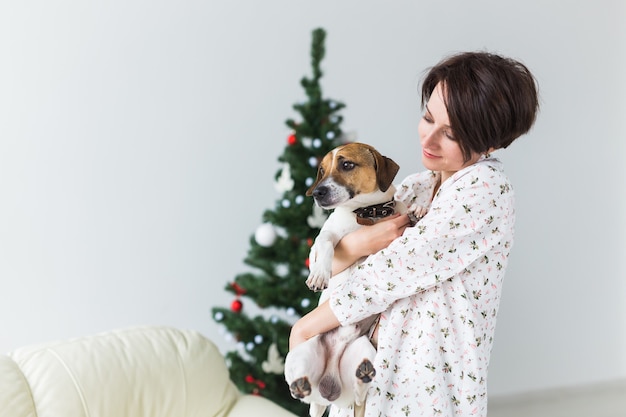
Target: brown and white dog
(337,366)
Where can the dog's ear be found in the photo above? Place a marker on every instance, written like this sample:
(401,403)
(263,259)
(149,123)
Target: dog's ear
(309,192)
(386,170)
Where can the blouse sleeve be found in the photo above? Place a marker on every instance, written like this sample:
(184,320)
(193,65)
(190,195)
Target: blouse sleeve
(470,216)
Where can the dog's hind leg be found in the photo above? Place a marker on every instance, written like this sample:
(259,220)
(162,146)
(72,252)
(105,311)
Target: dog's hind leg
(357,368)
(300,388)
(316,410)
(301,371)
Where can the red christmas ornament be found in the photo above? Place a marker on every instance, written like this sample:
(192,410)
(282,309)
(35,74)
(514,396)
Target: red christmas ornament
(309,242)
(250,380)
(307,262)
(237,288)
(292,139)
(236,306)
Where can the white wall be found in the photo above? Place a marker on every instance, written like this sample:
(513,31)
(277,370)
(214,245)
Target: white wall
(138,144)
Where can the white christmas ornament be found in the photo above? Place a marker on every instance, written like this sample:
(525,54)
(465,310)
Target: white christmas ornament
(275,363)
(265,235)
(306,142)
(317,143)
(281,270)
(317,218)
(284,182)
(313,161)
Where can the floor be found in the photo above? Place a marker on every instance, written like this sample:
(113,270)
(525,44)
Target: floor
(601,400)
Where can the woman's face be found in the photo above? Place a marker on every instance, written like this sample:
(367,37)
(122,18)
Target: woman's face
(439,150)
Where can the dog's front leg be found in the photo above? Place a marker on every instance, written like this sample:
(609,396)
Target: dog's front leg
(321,260)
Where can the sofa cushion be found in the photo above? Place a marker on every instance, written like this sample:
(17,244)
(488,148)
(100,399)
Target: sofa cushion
(153,371)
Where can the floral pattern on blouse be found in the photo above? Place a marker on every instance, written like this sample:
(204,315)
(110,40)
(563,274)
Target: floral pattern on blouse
(437,288)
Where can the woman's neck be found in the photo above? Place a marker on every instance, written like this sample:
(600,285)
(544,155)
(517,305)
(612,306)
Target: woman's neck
(438,181)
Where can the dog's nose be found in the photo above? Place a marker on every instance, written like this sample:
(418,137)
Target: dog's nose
(320,192)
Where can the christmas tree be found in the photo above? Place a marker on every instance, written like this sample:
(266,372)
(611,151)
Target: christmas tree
(279,250)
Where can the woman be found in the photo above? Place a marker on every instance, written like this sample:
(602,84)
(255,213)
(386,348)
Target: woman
(437,285)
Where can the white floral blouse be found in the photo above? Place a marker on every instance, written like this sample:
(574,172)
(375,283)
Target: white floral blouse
(437,289)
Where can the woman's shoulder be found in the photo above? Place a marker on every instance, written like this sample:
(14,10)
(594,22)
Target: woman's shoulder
(487,169)
(485,179)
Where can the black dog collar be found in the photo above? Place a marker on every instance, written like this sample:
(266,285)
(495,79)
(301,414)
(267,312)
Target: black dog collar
(370,214)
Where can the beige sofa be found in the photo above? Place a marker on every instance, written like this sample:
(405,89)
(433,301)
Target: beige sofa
(139,372)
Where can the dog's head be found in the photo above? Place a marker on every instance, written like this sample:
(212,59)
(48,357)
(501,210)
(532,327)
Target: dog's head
(352,175)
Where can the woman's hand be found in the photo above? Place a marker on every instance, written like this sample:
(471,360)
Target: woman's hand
(368,240)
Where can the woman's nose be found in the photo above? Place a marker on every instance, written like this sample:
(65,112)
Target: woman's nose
(428,136)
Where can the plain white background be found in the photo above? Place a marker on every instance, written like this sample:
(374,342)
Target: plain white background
(139,140)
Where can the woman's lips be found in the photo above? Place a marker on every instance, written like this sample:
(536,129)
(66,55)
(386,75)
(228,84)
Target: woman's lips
(429,155)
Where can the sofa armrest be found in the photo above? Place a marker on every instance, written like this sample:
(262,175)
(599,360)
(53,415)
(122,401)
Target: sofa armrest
(145,371)
(139,372)
(15,398)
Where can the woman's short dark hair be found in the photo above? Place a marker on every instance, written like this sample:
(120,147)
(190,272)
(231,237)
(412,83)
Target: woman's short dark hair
(491,100)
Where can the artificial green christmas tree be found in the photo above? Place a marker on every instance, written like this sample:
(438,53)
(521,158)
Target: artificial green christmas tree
(279,250)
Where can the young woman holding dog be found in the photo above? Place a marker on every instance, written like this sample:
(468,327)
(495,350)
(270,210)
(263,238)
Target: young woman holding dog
(437,285)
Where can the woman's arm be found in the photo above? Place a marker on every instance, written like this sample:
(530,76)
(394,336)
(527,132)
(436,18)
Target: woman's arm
(471,217)
(351,248)
(367,240)
(320,320)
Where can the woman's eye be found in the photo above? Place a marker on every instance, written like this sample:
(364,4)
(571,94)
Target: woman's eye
(427,118)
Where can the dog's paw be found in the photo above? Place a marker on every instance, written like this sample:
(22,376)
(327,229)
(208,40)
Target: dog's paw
(416,213)
(318,279)
(300,388)
(365,372)
(320,264)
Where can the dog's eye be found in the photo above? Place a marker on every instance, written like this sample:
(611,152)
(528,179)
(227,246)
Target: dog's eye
(348,165)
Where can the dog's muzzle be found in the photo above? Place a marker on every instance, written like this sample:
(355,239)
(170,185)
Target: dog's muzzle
(329,196)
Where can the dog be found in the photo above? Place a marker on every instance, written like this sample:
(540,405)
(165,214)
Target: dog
(336,367)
